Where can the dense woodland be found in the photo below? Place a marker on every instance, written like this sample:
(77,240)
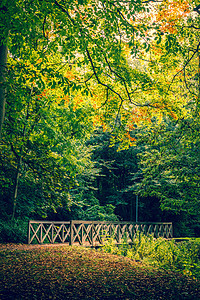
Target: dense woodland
(100,103)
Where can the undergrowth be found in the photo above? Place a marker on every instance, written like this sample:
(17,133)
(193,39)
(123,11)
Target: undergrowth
(183,257)
(13,232)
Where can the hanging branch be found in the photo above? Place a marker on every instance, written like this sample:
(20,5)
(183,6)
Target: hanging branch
(182,70)
(97,77)
(43,29)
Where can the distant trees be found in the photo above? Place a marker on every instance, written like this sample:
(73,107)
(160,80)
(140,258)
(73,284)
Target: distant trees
(170,165)
(116,171)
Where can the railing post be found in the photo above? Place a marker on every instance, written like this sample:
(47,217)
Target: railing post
(29,232)
(41,228)
(92,233)
(82,235)
(117,233)
(52,232)
(170,230)
(71,233)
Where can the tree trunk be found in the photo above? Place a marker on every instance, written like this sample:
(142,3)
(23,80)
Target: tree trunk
(19,165)
(198,99)
(3,61)
(16,185)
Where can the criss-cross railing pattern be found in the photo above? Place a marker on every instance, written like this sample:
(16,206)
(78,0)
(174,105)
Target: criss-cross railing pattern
(48,232)
(93,233)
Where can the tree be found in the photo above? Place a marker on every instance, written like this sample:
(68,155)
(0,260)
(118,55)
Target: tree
(102,38)
(41,147)
(170,165)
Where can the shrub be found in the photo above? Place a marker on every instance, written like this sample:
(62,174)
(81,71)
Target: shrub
(13,232)
(183,257)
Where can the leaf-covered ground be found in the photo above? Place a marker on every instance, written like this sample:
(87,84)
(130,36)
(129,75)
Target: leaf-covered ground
(64,272)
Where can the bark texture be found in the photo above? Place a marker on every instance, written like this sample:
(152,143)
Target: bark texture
(3,61)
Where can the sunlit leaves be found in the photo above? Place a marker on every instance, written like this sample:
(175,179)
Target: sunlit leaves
(171,13)
(102,41)
(46,130)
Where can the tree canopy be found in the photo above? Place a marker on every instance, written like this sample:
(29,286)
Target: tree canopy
(132,53)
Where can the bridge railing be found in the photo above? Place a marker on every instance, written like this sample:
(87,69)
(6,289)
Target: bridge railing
(93,233)
(48,232)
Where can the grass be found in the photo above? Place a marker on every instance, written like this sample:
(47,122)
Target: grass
(65,272)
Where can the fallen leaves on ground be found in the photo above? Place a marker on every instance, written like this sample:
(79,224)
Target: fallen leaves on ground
(65,272)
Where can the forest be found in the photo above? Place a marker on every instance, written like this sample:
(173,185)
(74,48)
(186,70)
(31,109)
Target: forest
(99,106)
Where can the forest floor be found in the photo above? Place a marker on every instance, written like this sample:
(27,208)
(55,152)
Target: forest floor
(72,272)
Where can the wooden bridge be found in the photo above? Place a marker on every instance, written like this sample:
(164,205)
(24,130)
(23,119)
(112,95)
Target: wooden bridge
(92,233)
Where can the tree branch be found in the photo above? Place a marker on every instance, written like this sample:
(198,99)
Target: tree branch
(197,49)
(197,9)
